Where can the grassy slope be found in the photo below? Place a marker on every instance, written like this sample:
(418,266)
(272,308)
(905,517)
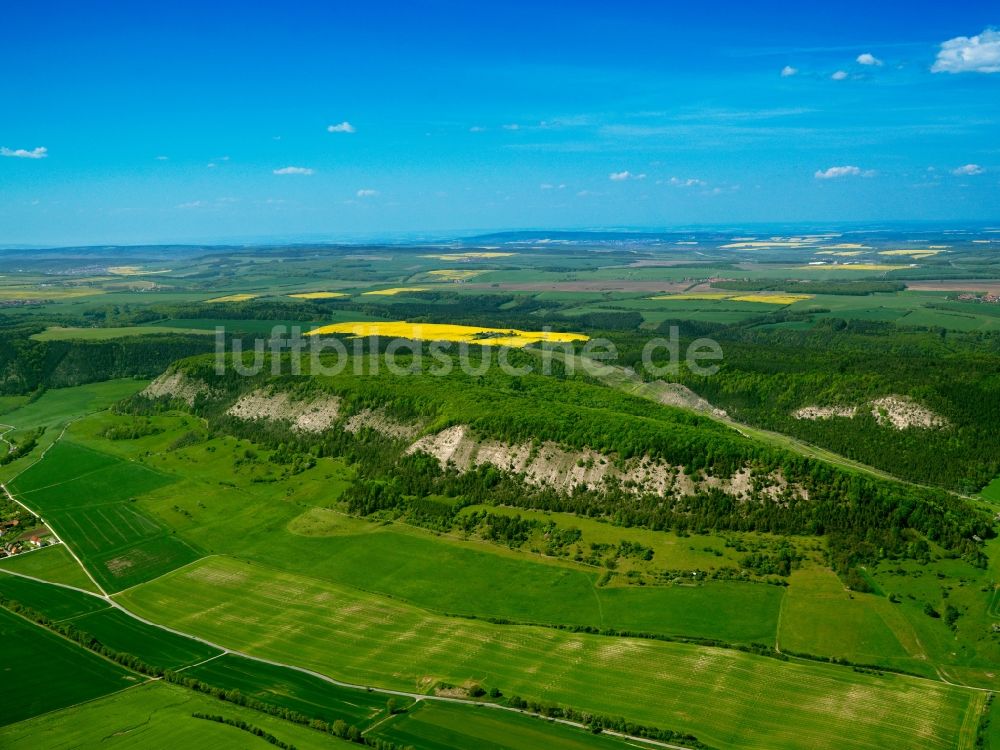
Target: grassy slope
(43,672)
(56,407)
(368,639)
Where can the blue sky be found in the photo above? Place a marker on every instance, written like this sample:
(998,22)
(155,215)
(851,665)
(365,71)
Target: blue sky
(218,121)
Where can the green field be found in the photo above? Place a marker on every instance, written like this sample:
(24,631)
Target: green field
(56,408)
(160,648)
(152,645)
(294,690)
(53,563)
(58,333)
(55,602)
(43,672)
(88,497)
(370,640)
(158,715)
(442,726)
(439,573)
(819,616)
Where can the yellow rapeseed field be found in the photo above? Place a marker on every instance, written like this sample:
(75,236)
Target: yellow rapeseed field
(396,290)
(695,295)
(768,299)
(317,295)
(450,274)
(511,337)
(912,253)
(234,298)
(772,299)
(841,253)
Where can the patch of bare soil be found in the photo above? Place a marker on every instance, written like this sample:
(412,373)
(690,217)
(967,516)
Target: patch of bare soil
(176,385)
(314,415)
(551,465)
(380,422)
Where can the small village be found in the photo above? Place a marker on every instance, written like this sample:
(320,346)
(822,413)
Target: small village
(989,298)
(21,531)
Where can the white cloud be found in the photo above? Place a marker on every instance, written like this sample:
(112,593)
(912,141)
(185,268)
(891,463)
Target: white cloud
(625,175)
(964,54)
(293,170)
(344,127)
(193,204)
(840,75)
(788,71)
(867,58)
(367,193)
(211,165)
(690,182)
(512,126)
(22,153)
(846,171)
(550,186)
(162,158)
(968,170)
(477,129)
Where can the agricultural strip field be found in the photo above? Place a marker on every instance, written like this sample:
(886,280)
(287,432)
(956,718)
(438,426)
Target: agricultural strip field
(43,672)
(120,632)
(55,602)
(371,640)
(271,684)
(441,726)
(53,563)
(158,715)
(293,690)
(88,496)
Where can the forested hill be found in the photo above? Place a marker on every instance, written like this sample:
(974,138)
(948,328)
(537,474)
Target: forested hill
(497,429)
(27,365)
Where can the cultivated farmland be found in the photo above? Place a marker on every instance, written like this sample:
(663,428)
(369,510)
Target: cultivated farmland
(43,672)
(88,497)
(369,640)
(157,715)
